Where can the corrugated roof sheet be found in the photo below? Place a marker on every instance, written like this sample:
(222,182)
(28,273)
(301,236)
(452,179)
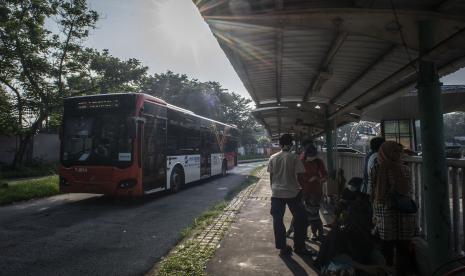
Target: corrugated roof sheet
(348,55)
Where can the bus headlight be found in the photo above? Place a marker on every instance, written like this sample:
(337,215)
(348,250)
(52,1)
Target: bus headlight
(128,183)
(63,181)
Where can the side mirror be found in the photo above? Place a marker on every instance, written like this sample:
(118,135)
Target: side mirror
(132,128)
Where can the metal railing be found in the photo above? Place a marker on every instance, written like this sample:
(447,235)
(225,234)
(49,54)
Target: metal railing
(353,165)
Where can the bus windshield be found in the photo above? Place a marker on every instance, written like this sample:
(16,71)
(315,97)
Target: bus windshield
(96,140)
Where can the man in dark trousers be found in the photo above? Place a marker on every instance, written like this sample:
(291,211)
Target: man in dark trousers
(286,170)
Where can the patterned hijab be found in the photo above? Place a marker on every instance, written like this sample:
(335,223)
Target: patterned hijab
(390,163)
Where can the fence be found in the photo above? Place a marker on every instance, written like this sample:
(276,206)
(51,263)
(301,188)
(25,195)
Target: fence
(353,165)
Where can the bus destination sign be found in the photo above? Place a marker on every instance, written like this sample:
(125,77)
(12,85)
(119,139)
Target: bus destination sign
(92,104)
(98,104)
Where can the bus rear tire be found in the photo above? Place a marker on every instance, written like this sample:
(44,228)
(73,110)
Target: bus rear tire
(176,179)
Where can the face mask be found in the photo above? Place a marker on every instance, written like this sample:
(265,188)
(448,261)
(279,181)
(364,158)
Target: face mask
(311,158)
(352,188)
(286,148)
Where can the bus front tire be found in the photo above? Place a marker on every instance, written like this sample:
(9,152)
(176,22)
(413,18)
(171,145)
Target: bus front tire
(177,179)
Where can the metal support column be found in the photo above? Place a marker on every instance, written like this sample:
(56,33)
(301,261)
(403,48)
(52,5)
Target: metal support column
(329,142)
(434,177)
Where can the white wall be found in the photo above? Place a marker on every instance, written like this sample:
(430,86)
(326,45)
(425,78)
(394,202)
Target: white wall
(45,147)
(7,148)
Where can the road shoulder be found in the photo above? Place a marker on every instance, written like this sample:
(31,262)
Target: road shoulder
(248,246)
(190,256)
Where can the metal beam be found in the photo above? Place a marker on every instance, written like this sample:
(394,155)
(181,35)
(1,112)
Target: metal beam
(317,14)
(323,71)
(443,70)
(407,72)
(367,22)
(329,143)
(279,63)
(370,67)
(279,5)
(445,5)
(434,170)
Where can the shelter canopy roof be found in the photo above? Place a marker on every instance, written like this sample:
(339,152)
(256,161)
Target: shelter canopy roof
(346,56)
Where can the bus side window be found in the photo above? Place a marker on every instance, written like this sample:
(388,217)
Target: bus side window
(231,145)
(173,139)
(183,134)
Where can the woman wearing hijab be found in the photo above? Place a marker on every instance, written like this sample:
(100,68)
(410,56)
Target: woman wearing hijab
(393,227)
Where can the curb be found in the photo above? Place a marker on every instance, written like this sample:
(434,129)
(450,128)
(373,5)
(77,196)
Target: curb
(208,240)
(211,236)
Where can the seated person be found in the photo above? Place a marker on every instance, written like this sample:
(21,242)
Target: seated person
(350,242)
(354,201)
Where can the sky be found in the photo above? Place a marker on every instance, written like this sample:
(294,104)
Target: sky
(171,35)
(163,35)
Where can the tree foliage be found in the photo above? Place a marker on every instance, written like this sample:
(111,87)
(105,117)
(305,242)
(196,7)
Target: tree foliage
(100,73)
(454,125)
(207,99)
(42,61)
(34,60)
(8,122)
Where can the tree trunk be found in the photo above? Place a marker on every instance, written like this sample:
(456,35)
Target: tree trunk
(25,141)
(21,151)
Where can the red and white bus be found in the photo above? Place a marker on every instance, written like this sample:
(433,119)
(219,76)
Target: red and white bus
(133,144)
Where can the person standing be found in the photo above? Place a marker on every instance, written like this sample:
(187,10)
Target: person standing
(305,145)
(286,172)
(370,161)
(315,175)
(395,228)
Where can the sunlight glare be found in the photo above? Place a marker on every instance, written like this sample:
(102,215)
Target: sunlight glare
(182,22)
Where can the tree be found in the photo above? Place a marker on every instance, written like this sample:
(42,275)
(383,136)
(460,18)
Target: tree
(35,62)
(8,121)
(38,68)
(101,73)
(454,125)
(264,141)
(207,99)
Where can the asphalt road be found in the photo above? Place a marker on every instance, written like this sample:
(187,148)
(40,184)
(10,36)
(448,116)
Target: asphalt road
(82,234)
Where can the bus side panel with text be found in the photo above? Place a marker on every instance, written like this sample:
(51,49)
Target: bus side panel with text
(135,144)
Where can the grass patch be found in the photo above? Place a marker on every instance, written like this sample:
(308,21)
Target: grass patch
(252,156)
(202,221)
(188,258)
(28,189)
(251,179)
(31,170)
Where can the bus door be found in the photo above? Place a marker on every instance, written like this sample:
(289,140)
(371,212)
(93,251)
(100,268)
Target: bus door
(205,153)
(154,147)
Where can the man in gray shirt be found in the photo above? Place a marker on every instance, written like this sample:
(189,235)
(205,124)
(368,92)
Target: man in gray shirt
(370,161)
(286,171)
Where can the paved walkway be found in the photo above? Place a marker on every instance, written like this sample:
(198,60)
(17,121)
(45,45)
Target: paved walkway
(248,246)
